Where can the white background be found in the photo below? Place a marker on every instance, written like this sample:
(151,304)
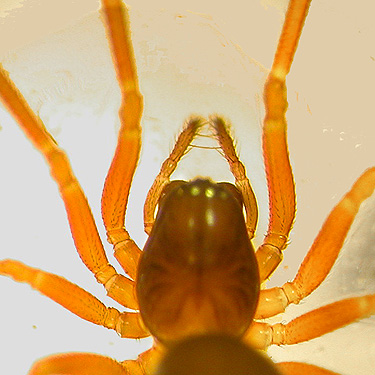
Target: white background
(188,63)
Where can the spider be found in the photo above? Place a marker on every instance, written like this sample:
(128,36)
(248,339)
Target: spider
(129,271)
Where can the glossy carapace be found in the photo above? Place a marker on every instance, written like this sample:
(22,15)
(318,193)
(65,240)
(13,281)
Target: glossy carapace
(198,271)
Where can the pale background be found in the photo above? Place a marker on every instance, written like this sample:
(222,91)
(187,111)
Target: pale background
(188,63)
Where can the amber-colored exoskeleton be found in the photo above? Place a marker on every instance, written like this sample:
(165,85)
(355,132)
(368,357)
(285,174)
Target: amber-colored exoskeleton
(199,272)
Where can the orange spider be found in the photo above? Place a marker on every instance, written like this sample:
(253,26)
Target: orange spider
(199,273)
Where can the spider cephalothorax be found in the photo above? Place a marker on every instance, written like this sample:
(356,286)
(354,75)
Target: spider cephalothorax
(208,270)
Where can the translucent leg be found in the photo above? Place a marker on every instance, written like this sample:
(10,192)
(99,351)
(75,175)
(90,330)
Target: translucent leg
(75,299)
(275,149)
(120,175)
(323,253)
(94,364)
(297,368)
(82,225)
(78,364)
(311,325)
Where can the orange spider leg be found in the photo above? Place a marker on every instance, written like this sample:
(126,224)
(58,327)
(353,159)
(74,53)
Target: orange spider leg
(78,364)
(88,364)
(322,254)
(185,138)
(239,173)
(275,150)
(82,225)
(76,299)
(312,324)
(297,368)
(120,175)
(81,221)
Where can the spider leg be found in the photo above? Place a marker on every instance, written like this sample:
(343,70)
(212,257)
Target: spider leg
(275,150)
(322,254)
(239,172)
(88,364)
(312,324)
(82,225)
(77,364)
(76,299)
(120,175)
(185,138)
(297,368)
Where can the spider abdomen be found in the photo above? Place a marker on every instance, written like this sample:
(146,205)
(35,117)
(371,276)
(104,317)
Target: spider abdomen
(198,263)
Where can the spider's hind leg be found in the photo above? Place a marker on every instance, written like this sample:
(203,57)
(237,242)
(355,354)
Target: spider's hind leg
(77,364)
(88,364)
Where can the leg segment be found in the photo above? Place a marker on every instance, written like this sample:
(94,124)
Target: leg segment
(190,130)
(239,173)
(313,324)
(90,364)
(297,368)
(120,175)
(275,149)
(146,362)
(323,253)
(82,225)
(75,299)
(78,364)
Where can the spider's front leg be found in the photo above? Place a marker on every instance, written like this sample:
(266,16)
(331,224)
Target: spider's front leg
(80,218)
(328,243)
(120,175)
(282,199)
(81,221)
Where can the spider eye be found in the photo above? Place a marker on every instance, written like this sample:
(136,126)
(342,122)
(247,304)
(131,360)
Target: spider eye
(232,190)
(168,188)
